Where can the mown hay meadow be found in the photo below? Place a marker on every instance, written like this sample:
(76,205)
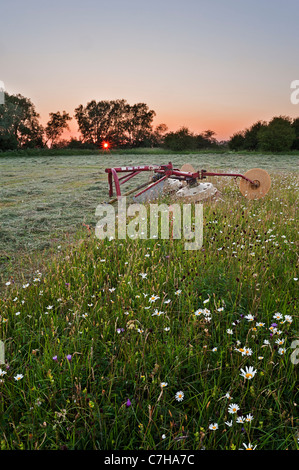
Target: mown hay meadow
(140,344)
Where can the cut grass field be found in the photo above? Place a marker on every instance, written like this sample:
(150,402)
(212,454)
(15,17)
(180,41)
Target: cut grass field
(45,199)
(103,341)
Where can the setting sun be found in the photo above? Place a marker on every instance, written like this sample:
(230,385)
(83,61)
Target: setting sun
(105,145)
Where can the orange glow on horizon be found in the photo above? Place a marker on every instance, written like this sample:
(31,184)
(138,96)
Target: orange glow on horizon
(223,126)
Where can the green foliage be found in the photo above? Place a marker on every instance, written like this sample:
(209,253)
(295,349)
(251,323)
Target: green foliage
(280,134)
(8,141)
(19,125)
(277,136)
(56,125)
(295,126)
(237,141)
(184,139)
(251,141)
(158,135)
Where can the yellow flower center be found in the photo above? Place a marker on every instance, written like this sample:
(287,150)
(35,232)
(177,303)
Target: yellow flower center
(248,375)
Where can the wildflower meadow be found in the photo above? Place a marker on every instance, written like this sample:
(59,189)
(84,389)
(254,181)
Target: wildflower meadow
(142,345)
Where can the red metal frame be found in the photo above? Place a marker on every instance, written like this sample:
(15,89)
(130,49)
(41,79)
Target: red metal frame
(165,171)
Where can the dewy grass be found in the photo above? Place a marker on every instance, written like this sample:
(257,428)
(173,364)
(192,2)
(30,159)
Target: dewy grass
(139,344)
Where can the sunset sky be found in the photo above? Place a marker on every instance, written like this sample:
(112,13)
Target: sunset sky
(204,64)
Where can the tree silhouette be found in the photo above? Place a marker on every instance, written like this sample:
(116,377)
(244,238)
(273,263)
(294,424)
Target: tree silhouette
(19,124)
(56,125)
(114,121)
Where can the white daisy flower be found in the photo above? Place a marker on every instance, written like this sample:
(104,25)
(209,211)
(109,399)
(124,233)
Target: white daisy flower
(213,427)
(249,317)
(179,396)
(206,312)
(288,318)
(249,418)
(233,408)
(277,316)
(280,341)
(153,298)
(281,351)
(248,446)
(248,373)
(247,352)
(18,377)
(157,312)
(198,312)
(240,419)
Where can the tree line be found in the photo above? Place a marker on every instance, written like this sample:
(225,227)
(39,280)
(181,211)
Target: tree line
(280,134)
(122,125)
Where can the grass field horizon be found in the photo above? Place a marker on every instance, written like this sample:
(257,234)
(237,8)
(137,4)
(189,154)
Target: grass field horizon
(220,150)
(140,344)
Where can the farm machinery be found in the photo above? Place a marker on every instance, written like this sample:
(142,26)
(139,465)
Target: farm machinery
(185,182)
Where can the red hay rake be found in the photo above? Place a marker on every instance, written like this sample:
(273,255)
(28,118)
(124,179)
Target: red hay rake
(254,183)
